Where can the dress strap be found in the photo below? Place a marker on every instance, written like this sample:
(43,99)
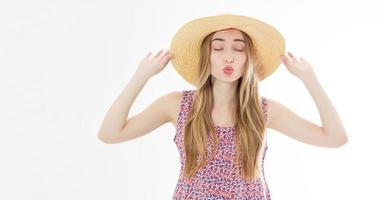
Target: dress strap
(186,101)
(264,107)
(184,108)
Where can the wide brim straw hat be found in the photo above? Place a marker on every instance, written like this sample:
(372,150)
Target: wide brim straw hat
(185,45)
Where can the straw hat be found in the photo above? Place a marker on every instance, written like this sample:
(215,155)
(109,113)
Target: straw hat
(185,44)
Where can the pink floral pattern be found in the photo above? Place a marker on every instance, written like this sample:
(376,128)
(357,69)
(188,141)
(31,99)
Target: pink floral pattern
(219,178)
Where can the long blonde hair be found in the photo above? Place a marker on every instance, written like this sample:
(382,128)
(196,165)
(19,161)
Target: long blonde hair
(249,115)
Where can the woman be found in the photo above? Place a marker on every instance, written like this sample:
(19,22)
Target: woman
(222,151)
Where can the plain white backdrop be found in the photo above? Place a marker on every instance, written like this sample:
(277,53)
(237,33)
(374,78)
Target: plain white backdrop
(63,63)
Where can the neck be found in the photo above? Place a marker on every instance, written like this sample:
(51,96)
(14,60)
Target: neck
(224,96)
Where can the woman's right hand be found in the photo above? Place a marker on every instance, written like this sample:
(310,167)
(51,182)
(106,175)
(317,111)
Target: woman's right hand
(149,67)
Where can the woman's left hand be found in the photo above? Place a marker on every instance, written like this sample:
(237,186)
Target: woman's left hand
(298,67)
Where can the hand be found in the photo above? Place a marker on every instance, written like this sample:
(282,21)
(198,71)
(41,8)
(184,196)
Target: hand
(151,66)
(300,68)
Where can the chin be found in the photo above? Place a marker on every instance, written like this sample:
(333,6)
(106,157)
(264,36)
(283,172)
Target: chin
(229,79)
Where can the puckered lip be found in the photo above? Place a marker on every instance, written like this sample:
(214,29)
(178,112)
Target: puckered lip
(228,67)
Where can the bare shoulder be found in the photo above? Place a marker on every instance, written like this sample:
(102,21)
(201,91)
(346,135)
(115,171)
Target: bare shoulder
(277,112)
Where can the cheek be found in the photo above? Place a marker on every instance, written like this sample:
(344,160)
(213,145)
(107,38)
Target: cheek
(214,57)
(242,58)
(242,69)
(242,66)
(215,61)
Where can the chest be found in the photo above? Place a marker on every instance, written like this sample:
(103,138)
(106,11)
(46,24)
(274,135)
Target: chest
(223,118)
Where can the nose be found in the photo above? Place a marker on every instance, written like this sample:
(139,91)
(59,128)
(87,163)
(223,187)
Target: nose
(228,60)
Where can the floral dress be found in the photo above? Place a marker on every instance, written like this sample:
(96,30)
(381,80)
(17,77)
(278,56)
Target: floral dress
(218,179)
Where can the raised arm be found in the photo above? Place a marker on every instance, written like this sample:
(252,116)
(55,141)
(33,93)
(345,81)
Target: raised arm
(330,134)
(115,126)
(284,120)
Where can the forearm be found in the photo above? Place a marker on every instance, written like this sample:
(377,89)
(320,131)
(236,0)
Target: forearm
(331,121)
(116,116)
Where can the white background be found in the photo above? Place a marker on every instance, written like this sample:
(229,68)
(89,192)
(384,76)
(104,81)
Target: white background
(63,63)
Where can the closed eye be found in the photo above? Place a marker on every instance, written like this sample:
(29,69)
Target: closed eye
(222,49)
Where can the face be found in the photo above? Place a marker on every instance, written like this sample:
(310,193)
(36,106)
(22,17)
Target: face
(227,49)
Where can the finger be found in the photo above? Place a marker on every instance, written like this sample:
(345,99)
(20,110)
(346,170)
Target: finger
(157,55)
(148,54)
(284,57)
(164,60)
(292,56)
(166,53)
(172,55)
(302,59)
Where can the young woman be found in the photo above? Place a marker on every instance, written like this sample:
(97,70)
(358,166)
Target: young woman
(221,125)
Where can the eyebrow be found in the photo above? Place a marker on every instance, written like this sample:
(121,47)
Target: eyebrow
(221,39)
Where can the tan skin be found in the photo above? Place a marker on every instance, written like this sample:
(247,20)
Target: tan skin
(280,118)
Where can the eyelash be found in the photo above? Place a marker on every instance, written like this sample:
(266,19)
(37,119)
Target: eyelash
(222,49)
